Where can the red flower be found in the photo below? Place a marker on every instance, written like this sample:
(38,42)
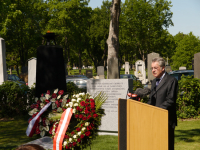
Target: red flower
(76,116)
(81,109)
(48,92)
(91,100)
(95,115)
(86,111)
(82,103)
(78,129)
(60,100)
(80,116)
(92,124)
(87,100)
(92,105)
(54,95)
(72,133)
(84,118)
(79,140)
(42,95)
(50,130)
(74,143)
(61,92)
(87,133)
(57,103)
(89,128)
(93,110)
(67,147)
(77,108)
(82,136)
(66,136)
(63,109)
(89,116)
(69,100)
(38,101)
(86,104)
(47,101)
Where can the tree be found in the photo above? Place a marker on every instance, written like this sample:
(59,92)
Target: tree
(187,46)
(113,41)
(143,24)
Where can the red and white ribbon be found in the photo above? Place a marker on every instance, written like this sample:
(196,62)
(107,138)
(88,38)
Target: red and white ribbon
(62,127)
(33,123)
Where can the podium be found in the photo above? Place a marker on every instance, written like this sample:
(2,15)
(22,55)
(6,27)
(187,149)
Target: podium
(141,126)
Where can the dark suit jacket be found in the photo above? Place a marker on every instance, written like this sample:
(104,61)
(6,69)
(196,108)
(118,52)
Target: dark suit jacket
(164,96)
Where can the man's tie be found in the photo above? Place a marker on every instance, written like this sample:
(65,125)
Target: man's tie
(157,82)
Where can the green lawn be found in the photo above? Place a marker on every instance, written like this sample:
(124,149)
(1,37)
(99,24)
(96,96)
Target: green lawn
(12,134)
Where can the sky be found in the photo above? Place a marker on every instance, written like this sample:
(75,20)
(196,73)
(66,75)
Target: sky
(186,15)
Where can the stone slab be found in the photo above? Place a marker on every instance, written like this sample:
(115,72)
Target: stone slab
(46,142)
(196,65)
(3,73)
(32,63)
(115,89)
(100,70)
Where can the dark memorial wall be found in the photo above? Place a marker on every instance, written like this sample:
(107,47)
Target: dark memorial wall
(50,72)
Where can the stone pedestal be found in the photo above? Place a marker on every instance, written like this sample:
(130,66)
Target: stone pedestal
(3,73)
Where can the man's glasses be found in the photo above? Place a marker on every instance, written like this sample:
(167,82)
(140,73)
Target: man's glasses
(155,68)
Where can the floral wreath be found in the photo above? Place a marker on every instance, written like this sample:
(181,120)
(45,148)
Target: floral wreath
(85,120)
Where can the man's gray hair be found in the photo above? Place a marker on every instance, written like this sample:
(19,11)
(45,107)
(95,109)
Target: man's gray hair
(160,61)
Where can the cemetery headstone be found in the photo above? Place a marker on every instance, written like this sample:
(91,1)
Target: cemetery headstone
(140,71)
(3,70)
(100,70)
(196,65)
(32,62)
(115,89)
(127,67)
(149,59)
(182,68)
(50,73)
(168,69)
(89,73)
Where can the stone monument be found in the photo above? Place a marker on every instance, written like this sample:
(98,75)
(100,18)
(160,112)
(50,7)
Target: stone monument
(100,72)
(196,65)
(126,67)
(32,62)
(140,71)
(3,70)
(50,72)
(115,89)
(149,59)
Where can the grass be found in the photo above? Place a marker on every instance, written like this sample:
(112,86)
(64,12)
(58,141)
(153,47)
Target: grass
(12,134)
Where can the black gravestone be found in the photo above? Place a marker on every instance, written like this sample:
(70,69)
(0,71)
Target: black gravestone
(50,72)
(89,73)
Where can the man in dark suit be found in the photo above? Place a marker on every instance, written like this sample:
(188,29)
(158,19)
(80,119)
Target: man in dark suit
(164,91)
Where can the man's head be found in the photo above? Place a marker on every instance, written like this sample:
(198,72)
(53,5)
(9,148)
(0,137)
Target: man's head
(158,67)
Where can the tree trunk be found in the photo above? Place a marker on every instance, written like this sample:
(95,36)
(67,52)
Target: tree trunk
(113,41)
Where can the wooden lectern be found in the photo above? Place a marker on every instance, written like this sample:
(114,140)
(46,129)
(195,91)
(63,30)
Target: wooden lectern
(141,126)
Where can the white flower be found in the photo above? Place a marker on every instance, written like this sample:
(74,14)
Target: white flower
(65,97)
(59,96)
(36,99)
(40,128)
(82,93)
(87,124)
(42,99)
(64,143)
(47,122)
(73,100)
(56,91)
(78,100)
(70,140)
(53,100)
(64,101)
(79,133)
(83,129)
(46,128)
(40,119)
(41,105)
(74,111)
(74,96)
(74,137)
(76,104)
(47,96)
(34,111)
(70,104)
(91,97)
(67,105)
(77,95)
(54,106)
(42,133)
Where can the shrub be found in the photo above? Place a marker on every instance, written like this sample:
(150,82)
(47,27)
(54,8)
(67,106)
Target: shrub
(14,99)
(188,101)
